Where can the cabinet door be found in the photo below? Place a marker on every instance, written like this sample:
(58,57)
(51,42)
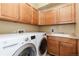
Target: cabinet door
(50,17)
(9,11)
(53,46)
(35,17)
(67,49)
(41,18)
(78,47)
(25,13)
(66,14)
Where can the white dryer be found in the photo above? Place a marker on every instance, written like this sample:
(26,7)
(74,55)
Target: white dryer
(41,44)
(17,45)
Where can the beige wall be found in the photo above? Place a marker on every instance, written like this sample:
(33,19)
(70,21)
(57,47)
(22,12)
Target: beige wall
(10,27)
(67,28)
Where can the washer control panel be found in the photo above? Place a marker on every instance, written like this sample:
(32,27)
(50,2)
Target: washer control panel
(33,37)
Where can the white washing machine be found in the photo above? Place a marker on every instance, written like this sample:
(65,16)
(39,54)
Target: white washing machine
(18,45)
(41,44)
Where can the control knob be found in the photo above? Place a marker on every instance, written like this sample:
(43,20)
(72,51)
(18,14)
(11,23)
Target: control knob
(26,39)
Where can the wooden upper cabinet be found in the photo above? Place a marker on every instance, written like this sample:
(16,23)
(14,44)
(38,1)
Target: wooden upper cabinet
(35,17)
(41,18)
(60,14)
(9,11)
(25,13)
(67,14)
(50,17)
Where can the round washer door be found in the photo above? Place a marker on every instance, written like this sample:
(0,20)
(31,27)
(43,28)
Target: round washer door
(26,50)
(43,46)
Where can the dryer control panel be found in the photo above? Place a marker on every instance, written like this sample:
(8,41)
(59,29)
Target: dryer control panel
(33,37)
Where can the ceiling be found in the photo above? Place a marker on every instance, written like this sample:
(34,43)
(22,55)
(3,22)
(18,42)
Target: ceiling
(42,6)
(38,5)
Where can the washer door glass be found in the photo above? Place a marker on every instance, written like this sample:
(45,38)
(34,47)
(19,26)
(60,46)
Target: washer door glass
(43,46)
(27,52)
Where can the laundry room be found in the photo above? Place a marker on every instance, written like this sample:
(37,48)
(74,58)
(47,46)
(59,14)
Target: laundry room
(39,29)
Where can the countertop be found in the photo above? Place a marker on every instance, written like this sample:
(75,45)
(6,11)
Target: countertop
(63,35)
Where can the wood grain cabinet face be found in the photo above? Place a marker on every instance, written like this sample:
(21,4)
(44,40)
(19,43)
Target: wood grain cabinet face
(41,18)
(25,13)
(78,47)
(67,49)
(67,14)
(35,17)
(53,46)
(62,14)
(9,11)
(50,17)
(61,46)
